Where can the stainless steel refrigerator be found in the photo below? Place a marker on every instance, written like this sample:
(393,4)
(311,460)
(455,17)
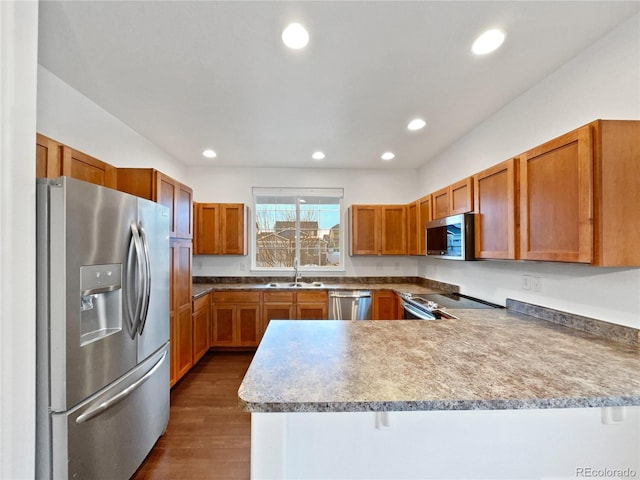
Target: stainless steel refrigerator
(102,391)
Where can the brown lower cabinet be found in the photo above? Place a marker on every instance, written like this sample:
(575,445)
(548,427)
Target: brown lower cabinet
(385,305)
(239,319)
(236,319)
(277,306)
(201,323)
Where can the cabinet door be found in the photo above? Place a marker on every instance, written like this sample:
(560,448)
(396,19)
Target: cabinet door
(48,157)
(276,311)
(440,203)
(248,326)
(232,229)
(555,199)
(201,321)
(222,325)
(311,311)
(207,228)
(84,167)
(616,193)
(393,229)
(181,297)
(184,329)
(424,216)
(166,193)
(461,196)
(173,349)
(413,220)
(184,211)
(384,305)
(495,206)
(365,229)
(173,326)
(312,305)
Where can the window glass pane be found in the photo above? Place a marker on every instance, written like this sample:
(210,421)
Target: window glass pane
(306,226)
(275,236)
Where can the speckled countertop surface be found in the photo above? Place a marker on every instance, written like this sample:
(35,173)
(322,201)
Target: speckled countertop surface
(199,289)
(486,360)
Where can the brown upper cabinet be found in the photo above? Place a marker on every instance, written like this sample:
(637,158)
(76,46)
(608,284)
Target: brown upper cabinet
(220,228)
(378,229)
(413,217)
(154,185)
(616,193)
(555,199)
(452,200)
(580,196)
(48,157)
(418,214)
(54,159)
(496,208)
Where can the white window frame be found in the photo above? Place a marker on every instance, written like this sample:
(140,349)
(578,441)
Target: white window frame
(337,193)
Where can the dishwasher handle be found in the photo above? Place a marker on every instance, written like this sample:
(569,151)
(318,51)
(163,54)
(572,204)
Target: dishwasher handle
(354,294)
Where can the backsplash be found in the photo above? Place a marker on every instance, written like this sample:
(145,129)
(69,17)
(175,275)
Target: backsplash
(620,333)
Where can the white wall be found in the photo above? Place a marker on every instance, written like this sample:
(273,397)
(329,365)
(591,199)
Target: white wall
(602,82)
(69,117)
(18,57)
(360,186)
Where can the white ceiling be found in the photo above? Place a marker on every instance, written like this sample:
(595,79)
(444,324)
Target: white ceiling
(213,74)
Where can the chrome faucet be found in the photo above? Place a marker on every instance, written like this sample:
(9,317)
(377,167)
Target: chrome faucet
(296,276)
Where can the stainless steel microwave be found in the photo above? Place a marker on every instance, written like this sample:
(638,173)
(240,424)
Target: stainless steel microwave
(451,237)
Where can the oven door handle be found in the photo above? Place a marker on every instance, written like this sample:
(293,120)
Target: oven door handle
(418,313)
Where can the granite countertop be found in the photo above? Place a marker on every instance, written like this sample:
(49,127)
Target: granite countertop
(485,360)
(199,289)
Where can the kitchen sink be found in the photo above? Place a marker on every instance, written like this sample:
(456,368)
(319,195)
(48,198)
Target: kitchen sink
(295,284)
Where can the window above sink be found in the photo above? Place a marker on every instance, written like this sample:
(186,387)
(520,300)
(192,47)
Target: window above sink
(297,223)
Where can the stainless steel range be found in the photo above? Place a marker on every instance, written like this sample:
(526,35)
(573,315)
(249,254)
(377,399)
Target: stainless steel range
(433,306)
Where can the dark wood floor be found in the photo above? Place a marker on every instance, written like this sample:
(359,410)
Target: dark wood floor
(208,436)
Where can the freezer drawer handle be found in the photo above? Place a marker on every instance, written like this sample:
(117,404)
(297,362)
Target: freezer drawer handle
(94,412)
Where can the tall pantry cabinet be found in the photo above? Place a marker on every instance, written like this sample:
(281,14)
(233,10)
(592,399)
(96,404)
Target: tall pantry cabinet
(154,185)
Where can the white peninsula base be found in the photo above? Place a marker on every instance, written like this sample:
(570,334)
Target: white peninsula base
(569,443)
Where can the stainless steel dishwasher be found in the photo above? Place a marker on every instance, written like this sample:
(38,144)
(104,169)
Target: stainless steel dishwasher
(350,305)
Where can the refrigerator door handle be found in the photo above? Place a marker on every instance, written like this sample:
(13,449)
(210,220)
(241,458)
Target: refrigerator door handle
(147,280)
(94,412)
(134,260)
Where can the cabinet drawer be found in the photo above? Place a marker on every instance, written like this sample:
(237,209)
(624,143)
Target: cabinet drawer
(312,297)
(278,297)
(236,297)
(201,302)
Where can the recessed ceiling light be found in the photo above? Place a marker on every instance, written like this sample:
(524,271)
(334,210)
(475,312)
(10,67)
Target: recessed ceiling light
(317,155)
(209,153)
(416,124)
(388,156)
(488,42)
(295,36)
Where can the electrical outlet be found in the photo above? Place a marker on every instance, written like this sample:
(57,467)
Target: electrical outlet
(536,284)
(242,267)
(526,282)
(199,265)
(378,266)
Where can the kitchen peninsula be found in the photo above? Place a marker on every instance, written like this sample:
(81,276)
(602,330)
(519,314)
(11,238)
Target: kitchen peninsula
(491,395)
